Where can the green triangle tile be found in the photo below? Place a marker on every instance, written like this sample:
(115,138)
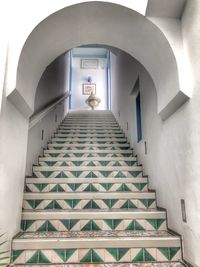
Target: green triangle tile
(117,164)
(87,227)
(75,202)
(61,175)
(91,175)
(43,227)
(91,163)
(34,258)
(95,257)
(122,252)
(60,189)
(138,226)
(72,186)
(76,173)
(139,186)
(113,252)
(46,173)
(77,163)
(69,253)
(42,258)
(173,252)
(135,173)
(66,223)
(94,205)
(116,222)
(114,156)
(130,163)
(165,252)
(125,205)
(50,163)
(87,189)
(55,188)
(153,223)
(64,164)
(88,205)
(72,223)
(131,205)
(16,254)
(131,226)
(121,188)
(147,202)
(61,253)
(148,256)
(95,227)
(102,154)
(87,258)
(109,222)
(93,188)
(77,186)
(160,222)
(31,203)
(50,205)
(139,257)
(105,173)
(27,189)
(107,186)
(113,201)
(50,227)
(120,175)
(41,187)
(126,188)
(56,205)
(69,202)
(104,163)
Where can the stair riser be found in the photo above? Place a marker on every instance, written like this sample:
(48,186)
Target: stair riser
(86,187)
(93,225)
(89,146)
(86,162)
(89,155)
(96,255)
(96,152)
(86,174)
(89,134)
(84,142)
(78,204)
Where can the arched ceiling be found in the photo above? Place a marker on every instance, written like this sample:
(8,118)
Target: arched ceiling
(104,24)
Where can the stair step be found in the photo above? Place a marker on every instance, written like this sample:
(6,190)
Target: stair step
(93,221)
(68,140)
(82,159)
(72,247)
(96,151)
(85,180)
(88,145)
(55,185)
(88,168)
(89,134)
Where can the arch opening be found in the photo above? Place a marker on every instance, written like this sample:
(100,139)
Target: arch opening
(99,23)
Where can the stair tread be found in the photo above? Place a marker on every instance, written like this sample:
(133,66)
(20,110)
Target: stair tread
(98,234)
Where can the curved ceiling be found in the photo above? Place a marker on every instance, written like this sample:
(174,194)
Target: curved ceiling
(105,24)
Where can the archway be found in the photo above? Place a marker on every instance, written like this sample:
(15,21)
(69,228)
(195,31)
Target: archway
(104,24)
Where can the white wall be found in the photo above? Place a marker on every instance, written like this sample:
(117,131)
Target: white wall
(173,148)
(53,85)
(79,76)
(13,145)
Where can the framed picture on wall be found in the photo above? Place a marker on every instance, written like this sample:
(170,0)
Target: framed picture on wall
(88,88)
(89,63)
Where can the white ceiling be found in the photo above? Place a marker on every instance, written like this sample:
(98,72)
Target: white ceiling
(89,52)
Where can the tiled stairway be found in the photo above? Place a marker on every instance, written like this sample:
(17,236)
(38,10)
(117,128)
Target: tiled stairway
(88,202)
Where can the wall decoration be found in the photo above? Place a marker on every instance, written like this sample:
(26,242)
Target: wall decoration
(89,88)
(89,63)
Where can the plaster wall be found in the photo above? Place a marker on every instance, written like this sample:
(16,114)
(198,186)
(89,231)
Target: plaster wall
(172,159)
(13,145)
(53,85)
(79,76)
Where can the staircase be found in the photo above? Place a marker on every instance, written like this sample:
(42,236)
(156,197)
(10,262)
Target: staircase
(88,202)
